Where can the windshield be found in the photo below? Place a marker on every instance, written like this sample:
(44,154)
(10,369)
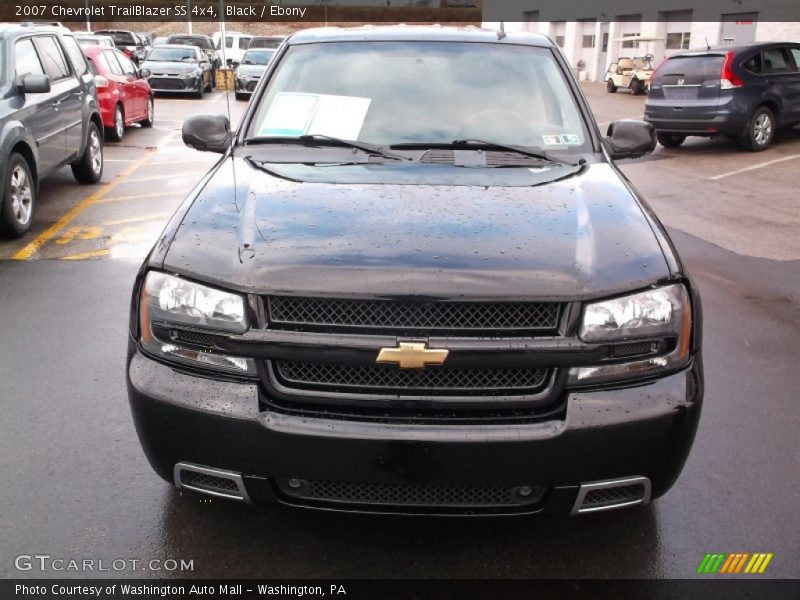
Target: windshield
(258,57)
(422,92)
(199,42)
(172,54)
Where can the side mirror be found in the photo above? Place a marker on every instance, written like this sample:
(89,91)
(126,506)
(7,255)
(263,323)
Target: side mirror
(207,133)
(35,84)
(144,73)
(630,139)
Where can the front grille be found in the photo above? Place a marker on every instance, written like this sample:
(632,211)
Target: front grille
(407,317)
(613,496)
(340,492)
(429,381)
(163,83)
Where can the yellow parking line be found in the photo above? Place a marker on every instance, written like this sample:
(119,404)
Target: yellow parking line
(85,255)
(160,177)
(29,250)
(138,196)
(137,219)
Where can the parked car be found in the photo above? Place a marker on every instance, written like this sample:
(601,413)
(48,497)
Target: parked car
(356,310)
(206,45)
(630,73)
(176,68)
(159,41)
(126,41)
(87,40)
(141,50)
(743,92)
(123,94)
(236,44)
(248,73)
(48,118)
(266,41)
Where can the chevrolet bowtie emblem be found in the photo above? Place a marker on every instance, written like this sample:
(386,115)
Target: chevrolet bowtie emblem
(409,355)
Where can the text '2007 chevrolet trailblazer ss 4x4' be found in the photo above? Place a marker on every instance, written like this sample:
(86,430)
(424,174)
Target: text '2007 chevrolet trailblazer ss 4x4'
(417,283)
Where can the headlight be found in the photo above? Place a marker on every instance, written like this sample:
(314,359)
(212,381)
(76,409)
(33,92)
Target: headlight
(654,313)
(170,306)
(663,316)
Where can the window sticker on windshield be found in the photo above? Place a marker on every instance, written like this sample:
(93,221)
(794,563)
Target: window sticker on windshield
(553,140)
(571,139)
(296,114)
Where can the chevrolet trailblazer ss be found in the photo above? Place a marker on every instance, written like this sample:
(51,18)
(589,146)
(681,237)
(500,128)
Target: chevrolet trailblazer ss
(416,282)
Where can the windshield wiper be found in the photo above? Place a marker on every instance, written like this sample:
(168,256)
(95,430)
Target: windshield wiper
(467,144)
(316,137)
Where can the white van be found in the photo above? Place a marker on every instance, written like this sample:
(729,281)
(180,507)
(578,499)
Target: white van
(236,44)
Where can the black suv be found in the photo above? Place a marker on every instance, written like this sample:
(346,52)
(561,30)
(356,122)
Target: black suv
(743,92)
(48,118)
(416,282)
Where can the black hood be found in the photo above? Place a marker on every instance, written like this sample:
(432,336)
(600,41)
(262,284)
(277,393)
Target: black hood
(434,231)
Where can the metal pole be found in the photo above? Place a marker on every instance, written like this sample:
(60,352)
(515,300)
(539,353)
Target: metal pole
(189,10)
(88,19)
(222,33)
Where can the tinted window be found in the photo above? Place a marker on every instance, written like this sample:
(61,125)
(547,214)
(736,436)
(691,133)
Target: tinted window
(265,43)
(26,60)
(244,43)
(124,62)
(52,57)
(229,42)
(693,70)
(75,55)
(753,64)
(100,63)
(777,61)
(121,38)
(796,56)
(113,64)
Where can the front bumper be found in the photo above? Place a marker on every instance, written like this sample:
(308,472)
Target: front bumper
(644,430)
(175,85)
(246,86)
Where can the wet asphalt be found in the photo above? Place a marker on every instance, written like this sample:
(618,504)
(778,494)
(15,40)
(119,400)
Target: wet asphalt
(77,485)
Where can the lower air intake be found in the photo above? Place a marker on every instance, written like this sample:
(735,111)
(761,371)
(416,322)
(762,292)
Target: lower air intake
(213,482)
(402,496)
(607,495)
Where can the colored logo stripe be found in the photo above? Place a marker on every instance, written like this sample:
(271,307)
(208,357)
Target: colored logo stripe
(721,562)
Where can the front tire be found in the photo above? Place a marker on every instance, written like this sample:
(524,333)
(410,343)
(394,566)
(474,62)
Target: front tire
(116,132)
(19,198)
(611,88)
(89,169)
(637,87)
(670,140)
(760,130)
(151,111)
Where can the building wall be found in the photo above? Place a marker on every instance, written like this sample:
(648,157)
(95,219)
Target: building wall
(704,27)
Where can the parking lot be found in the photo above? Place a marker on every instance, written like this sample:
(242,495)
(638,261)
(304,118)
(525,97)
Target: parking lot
(82,486)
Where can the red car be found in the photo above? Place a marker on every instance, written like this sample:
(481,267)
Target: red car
(123,94)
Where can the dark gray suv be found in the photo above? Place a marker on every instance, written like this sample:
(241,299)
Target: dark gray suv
(743,92)
(48,118)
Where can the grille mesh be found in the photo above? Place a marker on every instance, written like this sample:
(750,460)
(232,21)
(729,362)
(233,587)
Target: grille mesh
(209,482)
(389,377)
(400,495)
(326,313)
(615,495)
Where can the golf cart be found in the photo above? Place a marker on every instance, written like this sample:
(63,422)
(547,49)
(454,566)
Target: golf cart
(631,73)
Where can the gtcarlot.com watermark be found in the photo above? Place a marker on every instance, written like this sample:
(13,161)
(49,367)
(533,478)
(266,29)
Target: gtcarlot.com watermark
(48,563)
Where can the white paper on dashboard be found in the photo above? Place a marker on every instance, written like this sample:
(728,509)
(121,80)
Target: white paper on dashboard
(295,114)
